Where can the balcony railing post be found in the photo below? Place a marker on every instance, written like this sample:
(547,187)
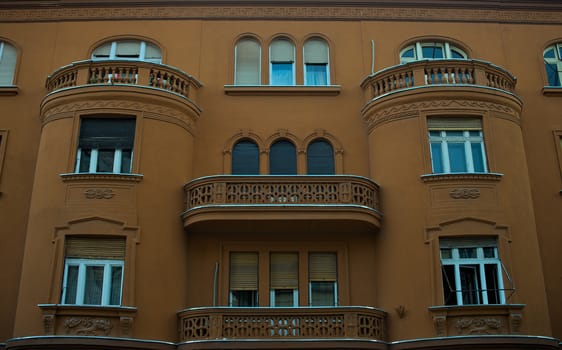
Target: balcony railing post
(345,192)
(83,75)
(144,76)
(350,322)
(419,75)
(219,193)
(480,76)
(215,326)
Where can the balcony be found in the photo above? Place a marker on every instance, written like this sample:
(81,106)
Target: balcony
(406,89)
(122,84)
(282,323)
(243,198)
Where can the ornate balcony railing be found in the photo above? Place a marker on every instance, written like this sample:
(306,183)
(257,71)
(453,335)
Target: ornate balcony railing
(437,72)
(282,323)
(119,72)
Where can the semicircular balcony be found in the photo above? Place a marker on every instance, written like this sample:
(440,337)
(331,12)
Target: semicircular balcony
(122,80)
(329,199)
(429,80)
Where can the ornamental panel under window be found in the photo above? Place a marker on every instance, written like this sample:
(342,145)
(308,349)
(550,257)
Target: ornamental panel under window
(457,145)
(553,64)
(472,271)
(431,50)
(8,57)
(105,145)
(128,50)
(93,272)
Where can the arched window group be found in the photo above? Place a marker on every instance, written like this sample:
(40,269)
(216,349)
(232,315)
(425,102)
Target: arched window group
(282,62)
(431,50)
(128,49)
(283,158)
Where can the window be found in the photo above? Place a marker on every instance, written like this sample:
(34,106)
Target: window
(105,145)
(282,62)
(282,158)
(316,58)
(128,50)
(431,51)
(320,158)
(457,145)
(553,64)
(93,272)
(8,56)
(247,66)
(284,279)
(243,279)
(245,158)
(472,271)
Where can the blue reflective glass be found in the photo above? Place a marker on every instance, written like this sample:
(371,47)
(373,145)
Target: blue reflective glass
(281,73)
(550,54)
(553,74)
(477,157)
(436,157)
(316,74)
(457,157)
(432,52)
(409,53)
(456,54)
(282,158)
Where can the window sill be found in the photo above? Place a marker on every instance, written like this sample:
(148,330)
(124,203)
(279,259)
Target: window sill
(71,177)
(11,90)
(88,319)
(297,90)
(552,90)
(485,177)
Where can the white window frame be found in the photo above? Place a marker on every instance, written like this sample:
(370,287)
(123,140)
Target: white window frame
(113,52)
(556,60)
(81,281)
(467,140)
(418,51)
(327,65)
(117,161)
(335,283)
(480,261)
(272,295)
(271,63)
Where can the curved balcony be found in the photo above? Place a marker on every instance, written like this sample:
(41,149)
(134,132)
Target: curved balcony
(243,198)
(282,323)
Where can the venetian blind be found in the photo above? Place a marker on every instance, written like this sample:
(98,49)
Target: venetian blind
(316,51)
(247,62)
(111,248)
(245,158)
(128,49)
(320,158)
(468,242)
(284,272)
(107,132)
(322,267)
(283,158)
(243,271)
(282,50)
(8,56)
(102,51)
(448,123)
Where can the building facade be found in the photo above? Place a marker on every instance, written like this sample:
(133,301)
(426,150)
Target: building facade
(262,174)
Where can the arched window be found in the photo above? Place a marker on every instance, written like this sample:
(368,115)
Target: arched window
(282,62)
(129,49)
(553,64)
(316,62)
(282,158)
(247,67)
(245,158)
(8,56)
(320,158)
(431,50)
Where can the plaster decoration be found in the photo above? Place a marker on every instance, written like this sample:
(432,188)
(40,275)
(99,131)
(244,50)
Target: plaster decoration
(100,177)
(478,326)
(411,110)
(99,193)
(386,13)
(87,326)
(49,324)
(440,324)
(515,322)
(126,325)
(465,193)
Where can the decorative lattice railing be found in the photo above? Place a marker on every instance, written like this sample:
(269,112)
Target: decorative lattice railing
(282,191)
(119,72)
(437,72)
(263,323)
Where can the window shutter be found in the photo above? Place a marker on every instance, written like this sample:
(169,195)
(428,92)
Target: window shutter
(102,51)
(243,271)
(447,123)
(152,52)
(322,267)
(316,51)
(282,51)
(95,248)
(107,132)
(128,48)
(284,270)
(320,158)
(247,62)
(468,242)
(7,63)
(245,158)
(282,158)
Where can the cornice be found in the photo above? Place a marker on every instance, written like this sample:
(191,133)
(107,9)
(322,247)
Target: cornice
(502,11)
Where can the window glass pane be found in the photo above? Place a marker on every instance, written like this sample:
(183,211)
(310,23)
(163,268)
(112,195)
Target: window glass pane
(126,158)
(281,73)
(115,292)
(456,54)
(244,298)
(316,74)
(7,63)
(94,285)
(322,293)
(105,160)
(245,158)
(71,285)
(550,53)
(467,253)
(432,52)
(85,158)
(436,157)
(457,157)
(410,53)
(553,74)
(283,158)
(470,277)
(492,287)
(489,252)
(320,158)
(446,253)
(477,157)
(284,297)
(449,294)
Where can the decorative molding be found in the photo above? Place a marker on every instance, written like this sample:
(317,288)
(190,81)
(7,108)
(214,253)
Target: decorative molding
(8,90)
(99,193)
(297,90)
(412,110)
(88,326)
(464,193)
(126,323)
(101,177)
(440,324)
(479,325)
(480,177)
(49,324)
(370,11)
